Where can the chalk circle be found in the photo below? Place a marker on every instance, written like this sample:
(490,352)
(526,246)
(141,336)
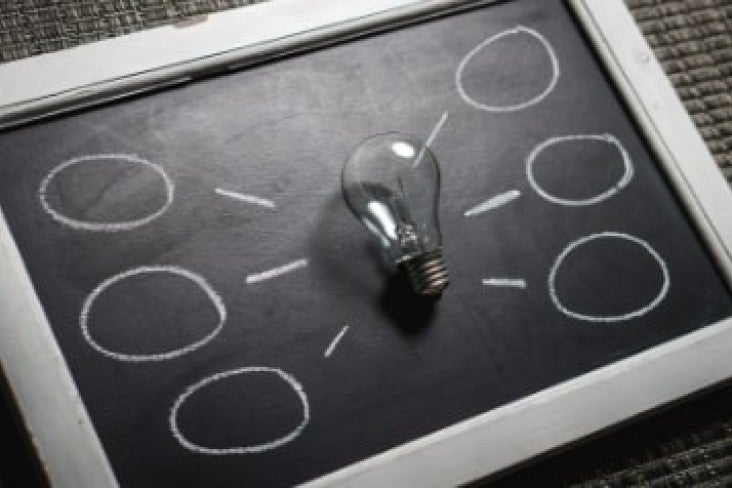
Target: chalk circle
(624,180)
(520,29)
(105,226)
(252,449)
(215,299)
(574,245)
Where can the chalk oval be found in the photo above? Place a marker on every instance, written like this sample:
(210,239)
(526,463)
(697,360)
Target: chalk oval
(612,189)
(533,95)
(104,287)
(596,283)
(106,226)
(287,380)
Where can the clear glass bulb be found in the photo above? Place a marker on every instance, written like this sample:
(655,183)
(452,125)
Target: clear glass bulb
(391,182)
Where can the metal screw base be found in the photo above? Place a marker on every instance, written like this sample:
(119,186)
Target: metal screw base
(427,272)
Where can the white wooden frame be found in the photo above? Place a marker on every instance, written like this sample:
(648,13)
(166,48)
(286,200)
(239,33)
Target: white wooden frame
(176,54)
(53,410)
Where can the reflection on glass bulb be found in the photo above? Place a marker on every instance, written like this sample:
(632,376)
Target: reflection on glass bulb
(391,183)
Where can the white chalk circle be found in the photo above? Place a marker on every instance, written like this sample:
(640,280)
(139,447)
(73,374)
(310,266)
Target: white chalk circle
(624,180)
(105,226)
(253,449)
(609,318)
(215,299)
(554,78)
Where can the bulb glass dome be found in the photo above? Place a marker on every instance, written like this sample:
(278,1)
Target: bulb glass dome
(391,183)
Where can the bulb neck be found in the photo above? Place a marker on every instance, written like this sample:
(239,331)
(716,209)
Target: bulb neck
(427,272)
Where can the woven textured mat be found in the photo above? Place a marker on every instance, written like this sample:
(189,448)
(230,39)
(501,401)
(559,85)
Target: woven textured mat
(30,27)
(702,458)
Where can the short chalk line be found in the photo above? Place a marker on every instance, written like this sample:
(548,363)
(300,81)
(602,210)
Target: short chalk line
(242,197)
(505,282)
(335,342)
(493,203)
(430,139)
(247,449)
(275,272)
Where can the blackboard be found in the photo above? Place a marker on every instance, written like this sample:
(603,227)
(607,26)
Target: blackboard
(200,329)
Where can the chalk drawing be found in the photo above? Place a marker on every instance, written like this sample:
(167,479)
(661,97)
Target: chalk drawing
(275,272)
(609,318)
(253,449)
(505,282)
(430,139)
(216,300)
(335,342)
(246,198)
(104,226)
(519,106)
(493,203)
(624,180)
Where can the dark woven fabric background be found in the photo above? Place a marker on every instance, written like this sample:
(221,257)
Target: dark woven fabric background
(693,41)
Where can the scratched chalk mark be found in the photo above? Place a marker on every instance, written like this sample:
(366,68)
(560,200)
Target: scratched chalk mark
(242,197)
(335,342)
(493,203)
(275,272)
(430,139)
(505,282)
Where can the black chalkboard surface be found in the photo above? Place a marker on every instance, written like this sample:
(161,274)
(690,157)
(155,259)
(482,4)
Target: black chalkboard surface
(227,320)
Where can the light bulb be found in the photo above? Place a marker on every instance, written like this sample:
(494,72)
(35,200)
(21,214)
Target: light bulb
(391,182)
